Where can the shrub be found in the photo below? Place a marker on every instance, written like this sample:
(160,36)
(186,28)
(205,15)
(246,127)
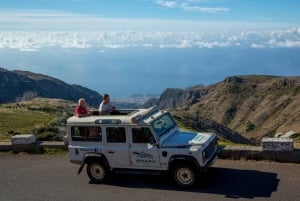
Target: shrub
(249,126)
(46,136)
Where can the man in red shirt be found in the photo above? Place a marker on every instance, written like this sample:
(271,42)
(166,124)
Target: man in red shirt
(81,109)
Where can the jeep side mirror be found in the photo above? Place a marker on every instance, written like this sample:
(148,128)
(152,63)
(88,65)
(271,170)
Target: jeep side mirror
(155,144)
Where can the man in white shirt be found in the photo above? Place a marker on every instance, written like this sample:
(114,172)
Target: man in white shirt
(105,106)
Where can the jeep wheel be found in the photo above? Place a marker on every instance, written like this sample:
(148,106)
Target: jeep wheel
(184,175)
(96,172)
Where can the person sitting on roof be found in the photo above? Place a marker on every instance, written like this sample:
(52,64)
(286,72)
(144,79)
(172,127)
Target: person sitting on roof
(81,109)
(105,107)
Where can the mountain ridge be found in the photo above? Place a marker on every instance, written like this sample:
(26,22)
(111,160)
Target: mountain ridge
(254,106)
(20,85)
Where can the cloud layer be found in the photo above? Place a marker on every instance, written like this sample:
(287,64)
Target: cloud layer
(196,6)
(33,41)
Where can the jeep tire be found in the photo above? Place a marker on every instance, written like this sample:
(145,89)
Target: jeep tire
(184,175)
(96,171)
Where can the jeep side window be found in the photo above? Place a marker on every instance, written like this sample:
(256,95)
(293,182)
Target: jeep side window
(86,133)
(115,134)
(142,135)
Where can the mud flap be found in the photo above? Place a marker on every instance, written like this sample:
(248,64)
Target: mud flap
(80,169)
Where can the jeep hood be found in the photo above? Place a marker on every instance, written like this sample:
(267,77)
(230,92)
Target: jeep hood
(181,138)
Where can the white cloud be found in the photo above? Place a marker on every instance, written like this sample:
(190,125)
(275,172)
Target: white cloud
(147,45)
(42,29)
(28,49)
(169,4)
(191,5)
(33,41)
(187,7)
(257,46)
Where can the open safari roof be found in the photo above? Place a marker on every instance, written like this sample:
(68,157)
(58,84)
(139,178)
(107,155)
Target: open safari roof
(136,116)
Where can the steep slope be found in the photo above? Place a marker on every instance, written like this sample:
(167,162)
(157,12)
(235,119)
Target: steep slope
(174,98)
(21,85)
(205,125)
(255,106)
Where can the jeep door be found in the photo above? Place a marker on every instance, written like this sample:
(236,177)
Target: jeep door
(117,149)
(143,151)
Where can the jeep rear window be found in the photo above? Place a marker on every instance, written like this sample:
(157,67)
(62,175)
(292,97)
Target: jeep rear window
(86,133)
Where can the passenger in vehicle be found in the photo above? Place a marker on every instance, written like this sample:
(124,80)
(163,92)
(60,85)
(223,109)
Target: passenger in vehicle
(94,131)
(81,109)
(105,106)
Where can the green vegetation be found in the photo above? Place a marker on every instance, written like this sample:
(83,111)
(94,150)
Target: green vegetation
(249,126)
(225,142)
(45,118)
(18,121)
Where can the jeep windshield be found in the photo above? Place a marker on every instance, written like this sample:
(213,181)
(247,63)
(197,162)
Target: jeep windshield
(163,124)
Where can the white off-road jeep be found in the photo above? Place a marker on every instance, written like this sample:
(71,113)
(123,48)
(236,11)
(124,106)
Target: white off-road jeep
(141,140)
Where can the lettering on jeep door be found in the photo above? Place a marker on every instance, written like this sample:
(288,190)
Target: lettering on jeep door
(143,151)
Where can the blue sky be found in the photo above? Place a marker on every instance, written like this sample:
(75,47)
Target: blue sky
(245,10)
(147,46)
(230,13)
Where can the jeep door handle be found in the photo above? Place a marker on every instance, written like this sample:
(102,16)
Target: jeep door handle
(111,152)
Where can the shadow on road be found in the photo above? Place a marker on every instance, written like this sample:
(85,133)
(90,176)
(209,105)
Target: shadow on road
(232,183)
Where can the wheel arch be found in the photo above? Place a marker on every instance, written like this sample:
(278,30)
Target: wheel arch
(91,157)
(183,159)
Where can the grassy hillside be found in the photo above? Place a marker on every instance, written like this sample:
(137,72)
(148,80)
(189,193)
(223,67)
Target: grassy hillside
(43,117)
